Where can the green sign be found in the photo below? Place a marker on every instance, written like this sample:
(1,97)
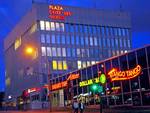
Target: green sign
(102,79)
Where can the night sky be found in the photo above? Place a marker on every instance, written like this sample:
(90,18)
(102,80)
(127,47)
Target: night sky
(11,11)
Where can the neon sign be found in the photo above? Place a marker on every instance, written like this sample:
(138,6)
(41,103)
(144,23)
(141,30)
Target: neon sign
(116,75)
(57,12)
(65,83)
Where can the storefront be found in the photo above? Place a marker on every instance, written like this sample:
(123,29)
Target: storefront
(127,80)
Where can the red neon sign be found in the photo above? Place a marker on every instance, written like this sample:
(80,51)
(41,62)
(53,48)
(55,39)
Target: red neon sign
(116,75)
(65,83)
(57,12)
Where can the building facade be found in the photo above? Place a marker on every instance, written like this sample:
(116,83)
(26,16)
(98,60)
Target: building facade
(127,81)
(55,39)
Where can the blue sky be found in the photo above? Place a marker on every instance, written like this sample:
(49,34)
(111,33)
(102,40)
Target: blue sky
(11,11)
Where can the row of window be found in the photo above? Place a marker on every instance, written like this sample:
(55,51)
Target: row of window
(59,65)
(79,52)
(85,41)
(76,28)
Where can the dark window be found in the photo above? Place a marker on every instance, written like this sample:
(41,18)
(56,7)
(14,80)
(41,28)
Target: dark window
(123,63)
(141,56)
(126,87)
(136,99)
(89,73)
(127,98)
(83,74)
(135,84)
(148,54)
(108,66)
(144,80)
(118,99)
(146,97)
(95,71)
(132,60)
(84,89)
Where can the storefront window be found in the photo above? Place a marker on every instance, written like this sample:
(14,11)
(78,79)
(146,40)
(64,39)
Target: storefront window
(135,84)
(95,71)
(127,98)
(126,87)
(146,97)
(83,74)
(144,80)
(118,99)
(123,63)
(107,66)
(148,55)
(111,100)
(136,99)
(132,60)
(115,63)
(141,56)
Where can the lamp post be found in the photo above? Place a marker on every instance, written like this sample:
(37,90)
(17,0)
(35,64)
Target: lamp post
(32,52)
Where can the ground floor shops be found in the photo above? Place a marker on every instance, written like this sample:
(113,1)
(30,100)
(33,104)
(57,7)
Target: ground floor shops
(127,81)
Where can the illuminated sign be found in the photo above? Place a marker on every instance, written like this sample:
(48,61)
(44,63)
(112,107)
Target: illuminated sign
(89,82)
(57,12)
(65,83)
(116,75)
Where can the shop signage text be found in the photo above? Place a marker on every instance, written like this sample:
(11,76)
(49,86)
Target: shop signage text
(89,82)
(116,75)
(65,83)
(57,12)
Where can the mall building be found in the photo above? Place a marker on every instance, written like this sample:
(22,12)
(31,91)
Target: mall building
(127,81)
(52,39)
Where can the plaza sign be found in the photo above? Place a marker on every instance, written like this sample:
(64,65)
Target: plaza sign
(57,12)
(116,75)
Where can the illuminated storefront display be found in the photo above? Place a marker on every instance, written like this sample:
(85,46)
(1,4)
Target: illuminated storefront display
(57,12)
(65,83)
(116,75)
(101,79)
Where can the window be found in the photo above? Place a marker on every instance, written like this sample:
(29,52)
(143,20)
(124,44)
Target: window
(65,67)
(47,38)
(60,65)
(115,31)
(72,40)
(125,45)
(42,38)
(103,30)
(54,64)
(42,25)
(100,42)
(104,42)
(52,26)
(71,28)
(112,42)
(116,40)
(85,29)
(59,52)
(57,27)
(54,51)
(108,42)
(107,31)
(43,49)
(79,64)
(17,43)
(68,52)
(82,41)
(141,56)
(47,25)
(129,43)
(121,43)
(88,63)
(91,41)
(95,41)
(119,31)
(67,27)
(73,52)
(63,39)
(49,51)
(94,29)
(77,40)
(64,52)
(53,39)
(62,27)
(111,31)
(123,32)
(68,39)
(78,53)
(84,64)
(86,41)
(57,39)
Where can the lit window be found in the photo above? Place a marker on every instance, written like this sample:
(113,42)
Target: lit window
(95,41)
(91,41)
(78,53)
(59,52)
(54,65)
(88,63)
(121,43)
(52,26)
(125,51)
(84,64)
(119,31)
(60,65)
(128,43)
(49,51)
(43,49)
(82,40)
(118,52)
(42,25)
(93,62)
(79,65)
(54,51)
(121,52)
(65,67)
(113,52)
(123,32)
(42,38)
(77,40)
(57,27)
(17,43)
(116,40)
(62,27)
(103,30)
(47,38)
(47,25)
(64,52)
(33,28)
